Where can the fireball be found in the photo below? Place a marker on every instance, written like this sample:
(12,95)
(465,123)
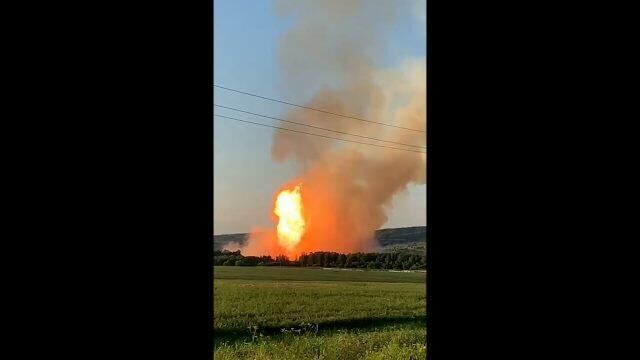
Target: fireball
(291,223)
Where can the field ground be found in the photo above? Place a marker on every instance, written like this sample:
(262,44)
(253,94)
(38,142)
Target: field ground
(276,273)
(298,313)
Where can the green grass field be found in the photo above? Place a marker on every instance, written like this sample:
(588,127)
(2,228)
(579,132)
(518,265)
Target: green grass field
(298,313)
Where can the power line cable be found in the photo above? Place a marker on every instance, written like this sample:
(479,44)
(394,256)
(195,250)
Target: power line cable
(328,137)
(319,110)
(320,128)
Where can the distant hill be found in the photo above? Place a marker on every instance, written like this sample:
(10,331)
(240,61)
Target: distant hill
(412,239)
(219,241)
(400,239)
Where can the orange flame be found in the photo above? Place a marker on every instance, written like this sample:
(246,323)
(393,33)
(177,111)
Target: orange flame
(291,224)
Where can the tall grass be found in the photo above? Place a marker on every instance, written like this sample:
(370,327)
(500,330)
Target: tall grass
(352,318)
(392,343)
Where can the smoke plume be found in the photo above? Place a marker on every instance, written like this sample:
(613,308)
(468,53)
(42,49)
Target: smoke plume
(334,47)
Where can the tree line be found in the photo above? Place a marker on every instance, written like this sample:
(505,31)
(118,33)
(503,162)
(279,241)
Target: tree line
(389,261)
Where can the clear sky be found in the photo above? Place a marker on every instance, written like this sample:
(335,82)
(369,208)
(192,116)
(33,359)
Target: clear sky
(246,34)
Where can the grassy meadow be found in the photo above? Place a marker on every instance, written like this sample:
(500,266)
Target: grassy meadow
(302,313)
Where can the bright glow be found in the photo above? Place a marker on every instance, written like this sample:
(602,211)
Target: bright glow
(291,223)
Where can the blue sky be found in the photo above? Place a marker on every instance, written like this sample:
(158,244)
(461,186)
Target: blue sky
(246,34)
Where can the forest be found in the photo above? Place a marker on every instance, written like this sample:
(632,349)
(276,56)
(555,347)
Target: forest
(388,261)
